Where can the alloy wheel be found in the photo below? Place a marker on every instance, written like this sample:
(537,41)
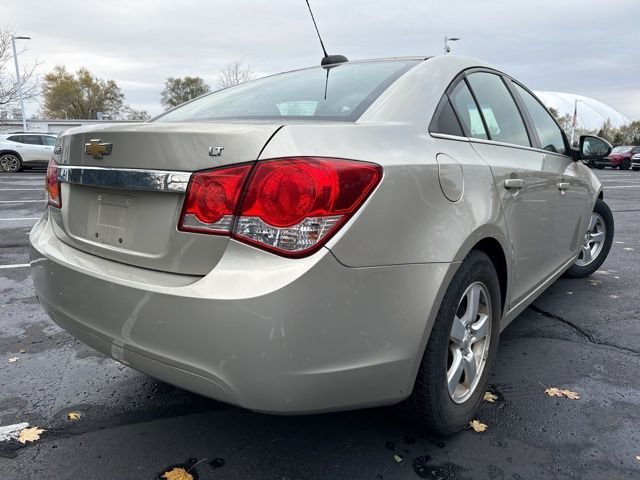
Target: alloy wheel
(593,241)
(469,342)
(10,163)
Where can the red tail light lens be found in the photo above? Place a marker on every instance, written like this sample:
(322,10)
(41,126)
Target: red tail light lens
(293,206)
(290,206)
(212,198)
(54,193)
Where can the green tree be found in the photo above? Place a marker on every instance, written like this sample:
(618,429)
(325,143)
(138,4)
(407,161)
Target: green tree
(179,90)
(80,95)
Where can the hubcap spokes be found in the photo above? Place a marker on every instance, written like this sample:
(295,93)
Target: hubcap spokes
(469,342)
(593,241)
(10,163)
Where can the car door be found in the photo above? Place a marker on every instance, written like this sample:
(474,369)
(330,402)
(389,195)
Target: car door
(48,144)
(33,148)
(525,180)
(575,200)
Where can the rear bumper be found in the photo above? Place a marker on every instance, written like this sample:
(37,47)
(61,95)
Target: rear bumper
(259,331)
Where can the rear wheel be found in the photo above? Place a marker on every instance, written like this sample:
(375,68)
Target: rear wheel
(625,164)
(461,350)
(10,162)
(597,242)
(635,169)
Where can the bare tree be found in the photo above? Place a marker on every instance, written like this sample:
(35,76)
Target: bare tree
(234,74)
(9,95)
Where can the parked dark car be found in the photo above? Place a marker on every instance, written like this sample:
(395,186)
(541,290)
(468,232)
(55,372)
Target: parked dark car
(635,162)
(620,157)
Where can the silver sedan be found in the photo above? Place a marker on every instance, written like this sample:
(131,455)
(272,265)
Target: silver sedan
(336,237)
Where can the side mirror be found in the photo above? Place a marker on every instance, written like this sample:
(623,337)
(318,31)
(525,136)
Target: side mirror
(592,147)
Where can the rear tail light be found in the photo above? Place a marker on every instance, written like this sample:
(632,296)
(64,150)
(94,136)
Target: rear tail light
(212,198)
(290,206)
(54,193)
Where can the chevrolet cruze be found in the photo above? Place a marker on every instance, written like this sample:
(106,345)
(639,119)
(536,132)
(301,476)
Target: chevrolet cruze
(348,235)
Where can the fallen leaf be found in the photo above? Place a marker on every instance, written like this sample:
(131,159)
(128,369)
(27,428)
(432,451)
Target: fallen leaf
(602,272)
(73,416)
(557,392)
(177,474)
(22,351)
(490,397)
(594,282)
(614,296)
(569,293)
(628,249)
(638,457)
(478,426)
(30,434)
(13,359)
(397,458)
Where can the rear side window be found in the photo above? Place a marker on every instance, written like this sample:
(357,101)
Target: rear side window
(32,139)
(498,108)
(467,110)
(342,92)
(550,135)
(15,138)
(444,120)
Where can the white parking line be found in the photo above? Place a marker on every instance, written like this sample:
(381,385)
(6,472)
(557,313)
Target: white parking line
(19,189)
(622,186)
(18,219)
(17,265)
(23,201)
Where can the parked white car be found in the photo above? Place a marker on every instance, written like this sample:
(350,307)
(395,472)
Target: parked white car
(25,150)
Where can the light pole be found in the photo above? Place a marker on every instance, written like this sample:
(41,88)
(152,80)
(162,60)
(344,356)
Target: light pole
(15,58)
(447,49)
(574,120)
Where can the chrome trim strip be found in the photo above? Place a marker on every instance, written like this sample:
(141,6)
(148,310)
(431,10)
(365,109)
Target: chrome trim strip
(449,137)
(126,178)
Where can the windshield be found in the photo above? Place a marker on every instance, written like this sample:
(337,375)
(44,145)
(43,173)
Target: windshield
(342,92)
(621,150)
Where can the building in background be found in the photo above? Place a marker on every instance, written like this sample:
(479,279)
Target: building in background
(592,114)
(50,126)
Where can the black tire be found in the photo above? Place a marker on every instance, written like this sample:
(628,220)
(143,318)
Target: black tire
(430,404)
(625,164)
(600,167)
(580,271)
(10,162)
(635,169)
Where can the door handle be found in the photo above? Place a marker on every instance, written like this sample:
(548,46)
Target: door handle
(515,183)
(563,187)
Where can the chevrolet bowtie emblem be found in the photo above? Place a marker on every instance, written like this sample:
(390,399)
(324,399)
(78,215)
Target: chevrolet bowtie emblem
(96,149)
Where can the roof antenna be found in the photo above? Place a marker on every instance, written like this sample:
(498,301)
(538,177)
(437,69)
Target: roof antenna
(327,59)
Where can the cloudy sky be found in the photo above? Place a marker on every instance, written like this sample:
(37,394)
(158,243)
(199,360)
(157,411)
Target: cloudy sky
(587,47)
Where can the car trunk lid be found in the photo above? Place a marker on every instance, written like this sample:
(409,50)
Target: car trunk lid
(123,187)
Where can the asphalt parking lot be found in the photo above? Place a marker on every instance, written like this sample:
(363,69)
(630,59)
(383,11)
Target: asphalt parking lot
(582,335)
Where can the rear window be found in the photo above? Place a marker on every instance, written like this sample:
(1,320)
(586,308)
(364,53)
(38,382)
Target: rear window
(342,92)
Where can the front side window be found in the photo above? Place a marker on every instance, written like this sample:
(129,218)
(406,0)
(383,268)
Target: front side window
(550,135)
(342,92)
(499,110)
(467,110)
